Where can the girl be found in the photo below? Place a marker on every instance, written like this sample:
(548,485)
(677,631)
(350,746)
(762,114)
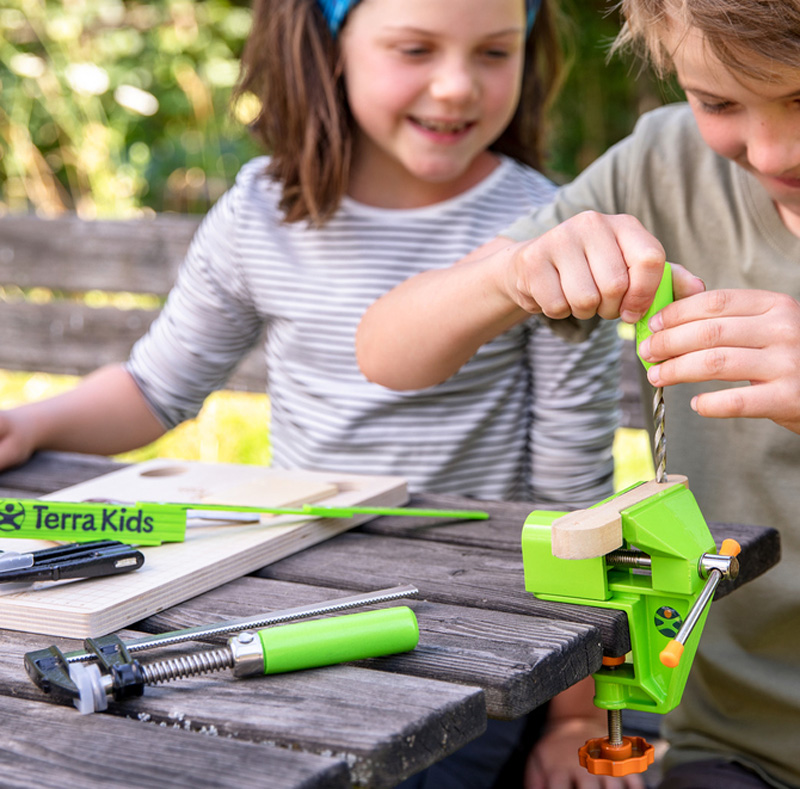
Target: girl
(402,133)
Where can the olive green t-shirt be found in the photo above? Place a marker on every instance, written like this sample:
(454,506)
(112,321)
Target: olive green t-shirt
(743,697)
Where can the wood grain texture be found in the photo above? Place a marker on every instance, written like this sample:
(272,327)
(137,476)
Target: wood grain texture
(139,255)
(384,731)
(760,544)
(48,745)
(519,661)
(70,256)
(444,573)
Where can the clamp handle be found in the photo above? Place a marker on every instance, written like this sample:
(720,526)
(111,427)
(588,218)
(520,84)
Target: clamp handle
(714,567)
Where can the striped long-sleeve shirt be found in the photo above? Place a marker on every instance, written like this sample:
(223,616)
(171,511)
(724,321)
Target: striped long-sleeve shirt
(528,417)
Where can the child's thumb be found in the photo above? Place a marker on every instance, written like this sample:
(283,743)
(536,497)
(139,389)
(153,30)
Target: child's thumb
(684,283)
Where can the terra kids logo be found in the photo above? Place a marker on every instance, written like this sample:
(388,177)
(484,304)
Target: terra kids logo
(67,517)
(12,513)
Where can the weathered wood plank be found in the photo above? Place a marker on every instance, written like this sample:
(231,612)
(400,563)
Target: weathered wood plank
(47,472)
(67,253)
(503,530)
(510,656)
(71,338)
(68,337)
(383,731)
(49,745)
(444,573)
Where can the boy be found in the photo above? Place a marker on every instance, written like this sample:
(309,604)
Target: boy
(717,182)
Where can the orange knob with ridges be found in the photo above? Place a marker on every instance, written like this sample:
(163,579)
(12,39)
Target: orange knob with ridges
(631,755)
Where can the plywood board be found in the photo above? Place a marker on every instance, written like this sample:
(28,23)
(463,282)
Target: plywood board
(213,553)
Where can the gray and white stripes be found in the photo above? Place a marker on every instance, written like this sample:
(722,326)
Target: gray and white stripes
(530,416)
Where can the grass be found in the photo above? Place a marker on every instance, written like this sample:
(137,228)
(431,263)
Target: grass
(232,428)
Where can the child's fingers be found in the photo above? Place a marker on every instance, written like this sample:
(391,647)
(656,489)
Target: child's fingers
(592,269)
(718,304)
(715,364)
(645,259)
(749,332)
(760,401)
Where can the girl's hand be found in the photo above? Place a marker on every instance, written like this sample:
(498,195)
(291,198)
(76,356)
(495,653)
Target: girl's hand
(590,264)
(553,763)
(732,335)
(16,443)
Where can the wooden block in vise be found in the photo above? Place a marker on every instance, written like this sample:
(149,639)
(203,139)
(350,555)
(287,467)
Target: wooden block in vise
(585,534)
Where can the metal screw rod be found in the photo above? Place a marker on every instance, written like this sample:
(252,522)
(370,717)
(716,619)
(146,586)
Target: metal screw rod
(615,727)
(256,622)
(635,559)
(187,665)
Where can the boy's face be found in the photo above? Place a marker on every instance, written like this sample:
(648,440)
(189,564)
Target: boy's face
(755,123)
(431,85)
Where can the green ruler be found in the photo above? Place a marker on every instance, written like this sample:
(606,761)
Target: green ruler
(151,523)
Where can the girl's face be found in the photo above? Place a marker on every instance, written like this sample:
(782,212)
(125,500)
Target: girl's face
(755,123)
(431,84)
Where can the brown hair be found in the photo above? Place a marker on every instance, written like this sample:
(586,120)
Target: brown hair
(749,37)
(292,64)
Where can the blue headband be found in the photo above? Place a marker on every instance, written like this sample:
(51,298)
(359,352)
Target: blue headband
(335,12)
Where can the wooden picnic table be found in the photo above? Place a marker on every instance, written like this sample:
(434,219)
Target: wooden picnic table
(487,649)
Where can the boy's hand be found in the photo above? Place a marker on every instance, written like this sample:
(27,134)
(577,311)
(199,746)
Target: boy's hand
(732,335)
(553,763)
(590,264)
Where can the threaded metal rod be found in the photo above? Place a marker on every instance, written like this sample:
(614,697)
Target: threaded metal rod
(187,665)
(636,559)
(256,622)
(615,727)
(659,438)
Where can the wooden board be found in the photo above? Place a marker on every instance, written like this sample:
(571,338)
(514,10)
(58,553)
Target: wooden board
(213,553)
(585,534)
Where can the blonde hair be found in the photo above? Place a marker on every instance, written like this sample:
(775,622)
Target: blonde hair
(749,37)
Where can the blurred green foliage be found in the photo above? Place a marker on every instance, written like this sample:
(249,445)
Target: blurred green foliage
(114,107)
(109,107)
(601,97)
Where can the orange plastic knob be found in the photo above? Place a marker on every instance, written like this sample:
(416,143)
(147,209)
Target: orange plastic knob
(671,654)
(632,755)
(730,548)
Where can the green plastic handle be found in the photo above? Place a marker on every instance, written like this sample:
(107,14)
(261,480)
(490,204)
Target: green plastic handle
(338,639)
(662,298)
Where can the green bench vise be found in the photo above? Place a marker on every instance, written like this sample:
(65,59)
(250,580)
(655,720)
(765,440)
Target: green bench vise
(648,552)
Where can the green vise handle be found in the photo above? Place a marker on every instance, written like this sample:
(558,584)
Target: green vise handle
(662,572)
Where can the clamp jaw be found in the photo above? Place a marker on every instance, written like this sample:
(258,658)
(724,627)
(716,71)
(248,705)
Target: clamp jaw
(661,568)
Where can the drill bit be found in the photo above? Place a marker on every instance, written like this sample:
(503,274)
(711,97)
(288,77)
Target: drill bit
(659,436)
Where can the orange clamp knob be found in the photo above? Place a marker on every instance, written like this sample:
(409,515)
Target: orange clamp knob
(730,548)
(632,755)
(671,654)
